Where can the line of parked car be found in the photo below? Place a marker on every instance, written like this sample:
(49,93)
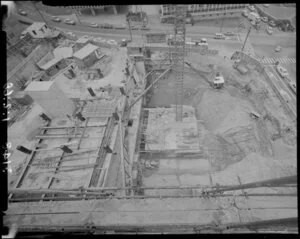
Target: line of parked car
(285,75)
(105,25)
(252,15)
(93,24)
(223,36)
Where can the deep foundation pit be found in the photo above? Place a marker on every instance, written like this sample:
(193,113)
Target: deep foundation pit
(228,143)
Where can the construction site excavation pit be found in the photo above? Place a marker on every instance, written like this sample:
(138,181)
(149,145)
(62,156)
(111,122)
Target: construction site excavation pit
(219,141)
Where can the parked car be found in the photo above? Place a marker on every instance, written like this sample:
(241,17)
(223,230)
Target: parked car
(219,36)
(245,13)
(240,67)
(272,24)
(56,19)
(69,21)
(124,42)
(107,26)
(282,71)
(264,19)
(94,25)
(293,86)
(71,34)
(229,33)
(134,28)
(278,48)
(269,30)
(203,40)
(22,12)
(144,28)
(121,27)
(251,8)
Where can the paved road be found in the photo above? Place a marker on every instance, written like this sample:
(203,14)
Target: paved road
(192,31)
(273,60)
(282,86)
(115,34)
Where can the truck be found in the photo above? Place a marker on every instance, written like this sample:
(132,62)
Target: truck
(239,67)
(254,16)
(171,38)
(218,81)
(200,42)
(219,36)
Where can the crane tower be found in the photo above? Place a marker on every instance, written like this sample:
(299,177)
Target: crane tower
(177,56)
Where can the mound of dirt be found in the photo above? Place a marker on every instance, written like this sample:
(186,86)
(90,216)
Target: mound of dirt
(214,108)
(61,122)
(237,117)
(32,129)
(253,168)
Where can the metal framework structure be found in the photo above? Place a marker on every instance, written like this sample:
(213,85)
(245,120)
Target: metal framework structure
(177,56)
(63,194)
(124,155)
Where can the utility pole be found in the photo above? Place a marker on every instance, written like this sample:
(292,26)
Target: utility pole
(246,38)
(223,21)
(39,12)
(129,26)
(177,54)
(76,14)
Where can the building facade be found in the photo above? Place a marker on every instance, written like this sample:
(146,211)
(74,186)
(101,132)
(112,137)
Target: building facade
(86,56)
(204,11)
(107,8)
(37,30)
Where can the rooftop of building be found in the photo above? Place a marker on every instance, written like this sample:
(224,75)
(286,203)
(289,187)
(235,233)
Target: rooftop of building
(85,51)
(51,63)
(39,86)
(36,26)
(63,52)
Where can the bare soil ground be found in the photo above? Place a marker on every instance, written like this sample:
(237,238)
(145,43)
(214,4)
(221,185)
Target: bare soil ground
(233,142)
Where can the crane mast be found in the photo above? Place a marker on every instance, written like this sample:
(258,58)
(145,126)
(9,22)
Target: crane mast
(177,56)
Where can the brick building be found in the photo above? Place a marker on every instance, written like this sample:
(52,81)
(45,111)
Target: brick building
(204,11)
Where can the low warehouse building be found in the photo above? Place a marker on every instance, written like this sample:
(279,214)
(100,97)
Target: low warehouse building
(86,56)
(38,30)
(22,98)
(54,65)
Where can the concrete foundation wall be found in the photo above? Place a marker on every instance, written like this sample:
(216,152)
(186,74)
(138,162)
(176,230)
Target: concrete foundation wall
(51,99)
